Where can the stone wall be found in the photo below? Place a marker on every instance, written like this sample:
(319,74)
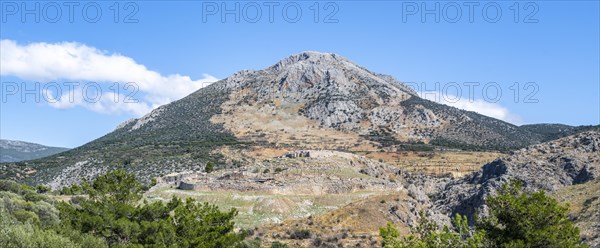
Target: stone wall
(185,185)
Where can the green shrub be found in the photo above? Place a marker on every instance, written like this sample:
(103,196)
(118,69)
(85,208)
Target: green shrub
(300,234)
(210,167)
(25,216)
(277,244)
(43,189)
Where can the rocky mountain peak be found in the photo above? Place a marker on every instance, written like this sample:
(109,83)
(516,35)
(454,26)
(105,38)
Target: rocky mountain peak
(326,88)
(326,70)
(315,70)
(306,58)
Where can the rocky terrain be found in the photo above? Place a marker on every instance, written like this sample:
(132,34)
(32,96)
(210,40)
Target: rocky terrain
(567,169)
(300,172)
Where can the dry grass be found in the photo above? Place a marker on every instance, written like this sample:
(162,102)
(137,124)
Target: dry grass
(281,124)
(260,208)
(354,225)
(584,206)
(457,163)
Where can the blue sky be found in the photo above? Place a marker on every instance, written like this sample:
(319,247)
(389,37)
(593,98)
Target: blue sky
(550,54)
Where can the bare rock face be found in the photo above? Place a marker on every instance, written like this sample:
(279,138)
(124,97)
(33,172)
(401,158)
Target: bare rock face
(548,166)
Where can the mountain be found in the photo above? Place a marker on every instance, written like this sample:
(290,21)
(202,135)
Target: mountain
(309,100)
(15,151)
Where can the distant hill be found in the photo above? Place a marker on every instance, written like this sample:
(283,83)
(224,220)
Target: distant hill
(15,151)
(555,131)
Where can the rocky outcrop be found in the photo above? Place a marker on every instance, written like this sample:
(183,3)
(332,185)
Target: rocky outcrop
(297,154)
(174,178)
(548,166)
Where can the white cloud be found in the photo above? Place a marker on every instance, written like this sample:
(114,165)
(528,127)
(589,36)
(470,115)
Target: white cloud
(476,105)
(80,63)
(105,103)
